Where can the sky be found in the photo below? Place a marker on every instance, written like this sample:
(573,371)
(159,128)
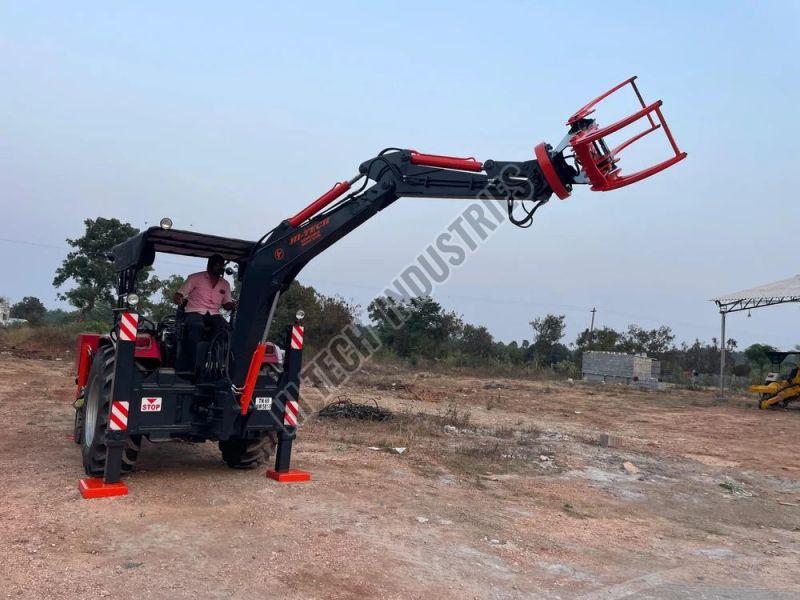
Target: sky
(230,117)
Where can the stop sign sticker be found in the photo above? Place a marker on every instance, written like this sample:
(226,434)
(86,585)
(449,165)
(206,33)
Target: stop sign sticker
(151,405)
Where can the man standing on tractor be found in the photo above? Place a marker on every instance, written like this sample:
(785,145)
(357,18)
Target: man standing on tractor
(204,294)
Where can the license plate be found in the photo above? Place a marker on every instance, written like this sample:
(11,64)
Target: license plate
(263,403)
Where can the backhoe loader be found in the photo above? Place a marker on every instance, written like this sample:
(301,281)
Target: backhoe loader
(776,390)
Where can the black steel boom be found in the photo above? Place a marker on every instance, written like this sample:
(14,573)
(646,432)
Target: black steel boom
(289,247)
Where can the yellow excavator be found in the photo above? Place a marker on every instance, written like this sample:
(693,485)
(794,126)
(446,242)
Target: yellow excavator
(777,389)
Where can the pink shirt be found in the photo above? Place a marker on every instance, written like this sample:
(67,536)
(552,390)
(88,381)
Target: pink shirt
(203,296)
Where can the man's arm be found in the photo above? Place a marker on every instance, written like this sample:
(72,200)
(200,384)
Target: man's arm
(184,290)
(228,303)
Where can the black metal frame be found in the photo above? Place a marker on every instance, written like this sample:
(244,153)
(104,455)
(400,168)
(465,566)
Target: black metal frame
(277,260)
(750,303)
(776,357)
(210,410)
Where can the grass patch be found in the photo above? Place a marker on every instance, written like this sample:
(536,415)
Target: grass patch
(403,430)
(504,432)
(455,416)
(48,341)
(495,401)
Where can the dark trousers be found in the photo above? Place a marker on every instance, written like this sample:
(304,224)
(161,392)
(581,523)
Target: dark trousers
(195,326)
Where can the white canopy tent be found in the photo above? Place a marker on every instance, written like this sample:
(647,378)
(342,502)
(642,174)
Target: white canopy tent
(778,292)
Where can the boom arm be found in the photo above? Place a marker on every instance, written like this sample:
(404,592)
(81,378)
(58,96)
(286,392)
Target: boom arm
(394,173)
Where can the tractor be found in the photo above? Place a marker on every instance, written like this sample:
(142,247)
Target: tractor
(242,390)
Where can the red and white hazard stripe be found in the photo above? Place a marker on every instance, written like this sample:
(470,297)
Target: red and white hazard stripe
(128,324)
(290,414)
(119,416)
(297,337)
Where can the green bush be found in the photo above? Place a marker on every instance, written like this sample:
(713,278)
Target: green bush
(566,368)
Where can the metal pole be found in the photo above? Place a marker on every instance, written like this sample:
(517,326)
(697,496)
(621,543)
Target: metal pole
(591,328)
(722,359)
(270,316)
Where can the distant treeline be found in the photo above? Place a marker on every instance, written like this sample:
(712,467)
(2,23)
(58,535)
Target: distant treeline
(430,334)
(426,333)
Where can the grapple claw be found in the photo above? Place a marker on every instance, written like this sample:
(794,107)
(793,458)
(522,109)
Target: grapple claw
(596,163)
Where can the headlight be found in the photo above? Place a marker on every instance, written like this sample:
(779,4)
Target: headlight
(300,315)
(132,299)
(165,223)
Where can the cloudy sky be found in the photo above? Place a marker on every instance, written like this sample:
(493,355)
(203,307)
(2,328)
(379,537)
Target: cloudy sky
(228,117)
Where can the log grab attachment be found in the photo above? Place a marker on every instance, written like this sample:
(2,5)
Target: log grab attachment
(593,161)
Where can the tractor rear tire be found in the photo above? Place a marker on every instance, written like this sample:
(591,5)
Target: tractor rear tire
(246,454)
(95,410)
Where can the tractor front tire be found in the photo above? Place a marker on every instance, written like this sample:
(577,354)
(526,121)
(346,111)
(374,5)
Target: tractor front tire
(94,418)
(246,454)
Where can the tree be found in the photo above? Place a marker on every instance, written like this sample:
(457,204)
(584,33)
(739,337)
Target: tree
(700,357)
(653,342)
(758,353)
(58,316)
(325,316)
(742,370)
(425,329)
(548,331)
(476,341)
(604,339)
(88,267)
(29,308)
(164,306)
(387,314)
(511,353)
(758,356)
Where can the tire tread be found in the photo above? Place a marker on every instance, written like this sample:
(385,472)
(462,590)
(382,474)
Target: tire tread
(94,456)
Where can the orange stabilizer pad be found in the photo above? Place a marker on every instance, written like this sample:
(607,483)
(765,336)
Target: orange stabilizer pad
(290,476)
(95,487)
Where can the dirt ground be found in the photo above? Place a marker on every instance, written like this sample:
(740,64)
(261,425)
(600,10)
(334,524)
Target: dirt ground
(503,492)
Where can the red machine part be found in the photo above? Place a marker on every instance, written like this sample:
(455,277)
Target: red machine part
(271,356)
(88,344)
(95,487)
(264,354)
(290,476)
(597,161)
(589,108)
(446,162)
(147,347)
(252,376)
(417,158)
(549,172)
(320,203)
